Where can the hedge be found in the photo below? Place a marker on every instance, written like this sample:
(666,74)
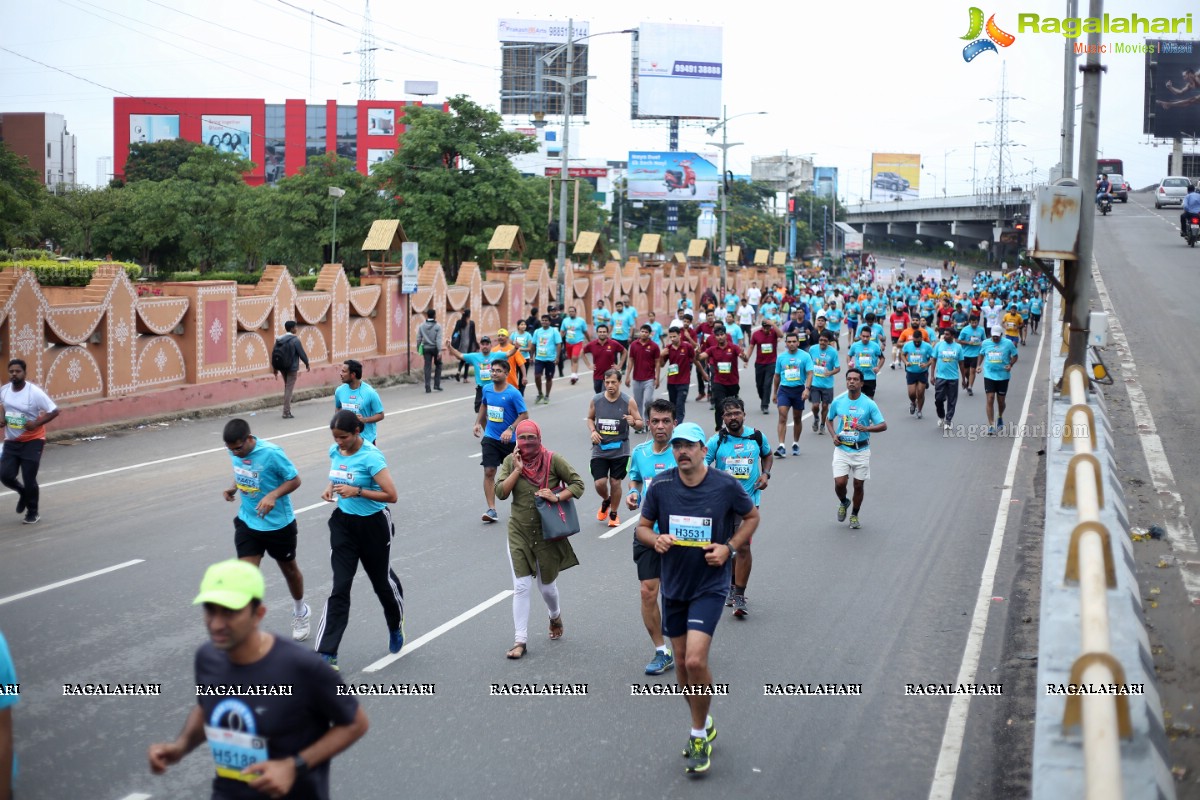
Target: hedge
(50,272)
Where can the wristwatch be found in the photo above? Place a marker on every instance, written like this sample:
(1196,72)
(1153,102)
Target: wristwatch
(767,474)
(300,764)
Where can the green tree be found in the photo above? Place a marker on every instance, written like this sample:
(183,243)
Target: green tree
(157,161)
(144,225)
(21,193)
(82,214)
(207,192)
(451,181)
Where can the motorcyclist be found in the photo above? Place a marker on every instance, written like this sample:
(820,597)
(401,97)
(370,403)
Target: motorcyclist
(1103,187)
(1191,208)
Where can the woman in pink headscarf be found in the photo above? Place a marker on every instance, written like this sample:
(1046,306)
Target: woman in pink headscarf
(530,472)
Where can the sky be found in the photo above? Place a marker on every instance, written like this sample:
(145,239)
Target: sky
(838,80)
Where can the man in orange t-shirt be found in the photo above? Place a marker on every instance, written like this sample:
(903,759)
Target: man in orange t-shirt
(26,409)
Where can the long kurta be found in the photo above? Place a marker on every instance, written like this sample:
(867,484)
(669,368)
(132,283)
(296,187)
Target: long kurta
(530,552)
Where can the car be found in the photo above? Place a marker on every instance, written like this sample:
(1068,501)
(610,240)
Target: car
(1170,192)
(891,182)
(1120,189)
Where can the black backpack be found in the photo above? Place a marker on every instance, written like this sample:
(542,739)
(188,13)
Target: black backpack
(281,356)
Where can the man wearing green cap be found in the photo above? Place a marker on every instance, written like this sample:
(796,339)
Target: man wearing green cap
(270,710)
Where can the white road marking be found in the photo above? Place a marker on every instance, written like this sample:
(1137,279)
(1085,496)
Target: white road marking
(419,642)
(636,516)
(1174,513)
(321,504)
(136,796)
(68,581)
(946,771)
(475,455)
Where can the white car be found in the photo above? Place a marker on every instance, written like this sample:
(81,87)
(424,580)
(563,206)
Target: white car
(1170,192)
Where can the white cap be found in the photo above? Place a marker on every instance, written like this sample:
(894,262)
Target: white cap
(997,330)
(674,326)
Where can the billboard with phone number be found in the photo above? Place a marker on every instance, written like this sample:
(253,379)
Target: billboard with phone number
(677,72)
(672,176)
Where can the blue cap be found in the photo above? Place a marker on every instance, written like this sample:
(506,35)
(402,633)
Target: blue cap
(688,432)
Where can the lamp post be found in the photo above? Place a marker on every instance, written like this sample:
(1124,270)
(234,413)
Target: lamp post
(725,144)
(336,194)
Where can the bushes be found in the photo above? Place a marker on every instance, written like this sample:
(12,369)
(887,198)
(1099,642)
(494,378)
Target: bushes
(50,272)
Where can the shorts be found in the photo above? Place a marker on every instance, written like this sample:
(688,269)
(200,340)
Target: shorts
(698,614)
(609,468)
(649,562)
(917,377)
(868,387)
(545,368)
(791,397)
(857,464)
(971,362)
(895,337)
(1013,339)
(1035,317)
(819,394)
(573,350)
(995,387)
(494,451)
(278,544)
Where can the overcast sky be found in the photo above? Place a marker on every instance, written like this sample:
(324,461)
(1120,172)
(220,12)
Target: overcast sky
(839,79)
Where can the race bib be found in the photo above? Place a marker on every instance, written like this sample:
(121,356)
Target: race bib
(792,374)
(690,531)
(672,369)
(341,476)
(767,347)
(351,407)
(739,467)
(495,413)
(975,340)
(995,357)
(865,360)
(618,328)
(915,358)
(233,751)
(246,480)
(608,427)
(725,367)
(948,356)
(15,420)
(543,350)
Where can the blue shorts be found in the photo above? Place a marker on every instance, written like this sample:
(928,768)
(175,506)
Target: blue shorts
(698,614)
(791,396)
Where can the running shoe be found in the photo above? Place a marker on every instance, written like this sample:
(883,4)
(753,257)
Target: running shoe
(912,407)
(21,505)
(602,514)
(698,752)
(331,661)
(396,639)
(816,423)
(970,392)
(661,663)
(490,515)
(574,379)
(31,517)
(820,430)
(301,624)
(780,452)
(710,733)
(918,415)
(539,400)
(841,512)
(1000,423)
(729,597)
(893,365)
(991,430)
(613,519)
(854,521)
(766,411)
(795,449)
(739,606)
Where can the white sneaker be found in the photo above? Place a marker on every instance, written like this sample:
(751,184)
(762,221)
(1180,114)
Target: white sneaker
(301,624)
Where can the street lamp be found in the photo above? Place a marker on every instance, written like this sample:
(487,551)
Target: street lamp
(336,194)
(725,144)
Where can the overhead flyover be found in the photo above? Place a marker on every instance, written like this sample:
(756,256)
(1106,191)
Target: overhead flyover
(979,221)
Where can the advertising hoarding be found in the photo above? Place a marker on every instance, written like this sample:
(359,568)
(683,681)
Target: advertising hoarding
(672,176)
(895,176)
(227,134)
(377,157)
(853,243)
(539,31)
(677,72)
(381,121)
(825,181)
(1172,89)
(153,127)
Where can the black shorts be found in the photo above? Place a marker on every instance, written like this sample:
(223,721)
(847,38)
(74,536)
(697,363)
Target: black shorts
(995,387)
(1035,317)
(971,362)
(278,544)
(698,614)
(917,377)
(545,368)
(495,450)
(649,562)
(609,468)
(868,387)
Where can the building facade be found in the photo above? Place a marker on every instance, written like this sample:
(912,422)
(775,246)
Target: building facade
(44,141)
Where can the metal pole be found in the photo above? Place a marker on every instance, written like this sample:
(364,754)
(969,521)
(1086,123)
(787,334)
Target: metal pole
(333,259)
(562,191)
(1067,154)
(621,219)
(1079,290)
(724,192)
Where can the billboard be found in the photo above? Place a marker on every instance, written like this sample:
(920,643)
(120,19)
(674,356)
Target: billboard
(825,181)
(525,85)
(672,176)
(153,127)
(227,134)
(677,72)
(1172,89)
(895,176)
(377,157)
(381,121)
(538,31)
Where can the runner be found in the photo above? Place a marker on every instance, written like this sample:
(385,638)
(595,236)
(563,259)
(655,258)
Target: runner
(745,317)
(265,522)
(899,320)
(677,358)
(501,410)
(546,342)
(656,329)
(918,356)
(745,454)
(971,337)
(646,462)
(826,365)
(643,372)
(27,409)
(624,323)
(264,745)
(766,341)
(602,355)
(546,476)
(516,361)
(948,356)
(999,355)
(1012,323)
(724,356)
(1035,312)
(791,386)
(867,356)
(359,397)
(601,316)
(695,551)
(853,417)
(610,415)
(481,361)
(360,530)
(523,339)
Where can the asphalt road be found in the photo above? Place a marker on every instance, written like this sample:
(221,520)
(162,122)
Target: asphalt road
(883,606)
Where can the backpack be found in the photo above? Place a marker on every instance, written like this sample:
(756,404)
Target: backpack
(281,356)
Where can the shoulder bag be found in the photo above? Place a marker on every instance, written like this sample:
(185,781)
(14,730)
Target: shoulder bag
(559,520)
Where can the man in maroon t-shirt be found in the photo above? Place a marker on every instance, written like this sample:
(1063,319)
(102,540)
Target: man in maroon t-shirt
(643,357)
(766,339)
(721,358)
(603,354)
(677,357)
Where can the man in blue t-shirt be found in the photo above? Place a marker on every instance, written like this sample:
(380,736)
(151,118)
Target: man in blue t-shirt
(853,417)
(358,396)
(501,410)
(481,362)
(1035,312)
(998,355)
(624,323)
(601,315)
(575,334)
(917,355)
(791,387)
(826,364)
(546,341)
(971,338)
(695,509)
(745,454)
(265,477)
(947,356)
(866,355)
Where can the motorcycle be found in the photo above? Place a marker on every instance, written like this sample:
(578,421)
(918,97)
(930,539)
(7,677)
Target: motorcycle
(1192,234)
(1106,204)
(681,178)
